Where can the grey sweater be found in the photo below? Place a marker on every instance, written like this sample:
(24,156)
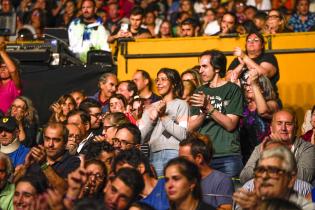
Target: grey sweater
(166,133)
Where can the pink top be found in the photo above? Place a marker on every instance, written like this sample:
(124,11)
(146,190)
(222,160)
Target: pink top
(8,93)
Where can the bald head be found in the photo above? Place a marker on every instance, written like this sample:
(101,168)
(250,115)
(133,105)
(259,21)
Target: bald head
(284,126)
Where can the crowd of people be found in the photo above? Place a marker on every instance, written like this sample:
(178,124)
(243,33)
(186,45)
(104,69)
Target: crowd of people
(96,24)
(213,137)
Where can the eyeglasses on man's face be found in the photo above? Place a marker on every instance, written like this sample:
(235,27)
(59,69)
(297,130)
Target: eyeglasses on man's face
(122,142)
(271,171)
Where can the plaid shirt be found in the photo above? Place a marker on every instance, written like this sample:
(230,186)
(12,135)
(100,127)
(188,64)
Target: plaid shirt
(297,24)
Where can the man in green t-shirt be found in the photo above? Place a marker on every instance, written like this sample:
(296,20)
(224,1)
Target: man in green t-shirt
(216,110)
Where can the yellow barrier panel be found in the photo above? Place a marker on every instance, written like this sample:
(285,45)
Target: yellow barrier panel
(296,58)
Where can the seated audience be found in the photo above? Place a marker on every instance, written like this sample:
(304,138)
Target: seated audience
(275,174)
(301,187)
(284,127)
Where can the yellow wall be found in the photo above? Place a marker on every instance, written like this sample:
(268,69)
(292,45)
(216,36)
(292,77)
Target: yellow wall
(297,70)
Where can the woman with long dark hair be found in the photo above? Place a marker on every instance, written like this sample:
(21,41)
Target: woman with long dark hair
(164,123)
(61,108)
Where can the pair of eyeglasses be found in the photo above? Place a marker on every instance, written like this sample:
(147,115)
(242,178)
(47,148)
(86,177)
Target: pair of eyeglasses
(271,171)
(253,40)
(105,128)
(273,16)
(18,107)
(122,142)
(161,79)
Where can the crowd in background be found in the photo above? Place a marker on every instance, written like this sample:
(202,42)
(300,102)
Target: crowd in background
(164,18)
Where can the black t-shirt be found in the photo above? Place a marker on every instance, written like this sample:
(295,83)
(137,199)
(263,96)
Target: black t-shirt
(269,58)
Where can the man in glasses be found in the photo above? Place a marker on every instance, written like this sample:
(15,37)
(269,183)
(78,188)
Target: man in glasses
(275,175)
(94,109)
(127,136)
(284,127)
(81,119)
(74,138)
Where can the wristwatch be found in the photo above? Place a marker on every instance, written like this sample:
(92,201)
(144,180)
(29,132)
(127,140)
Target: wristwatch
(44,166)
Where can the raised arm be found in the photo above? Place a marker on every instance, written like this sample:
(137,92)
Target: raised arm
(263,68)
(13,71)
(265,108)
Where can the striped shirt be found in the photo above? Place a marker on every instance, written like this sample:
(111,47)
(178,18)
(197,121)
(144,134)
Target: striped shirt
(301,187)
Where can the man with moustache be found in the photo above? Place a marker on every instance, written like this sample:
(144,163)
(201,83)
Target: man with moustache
(275,174)
(87,32)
